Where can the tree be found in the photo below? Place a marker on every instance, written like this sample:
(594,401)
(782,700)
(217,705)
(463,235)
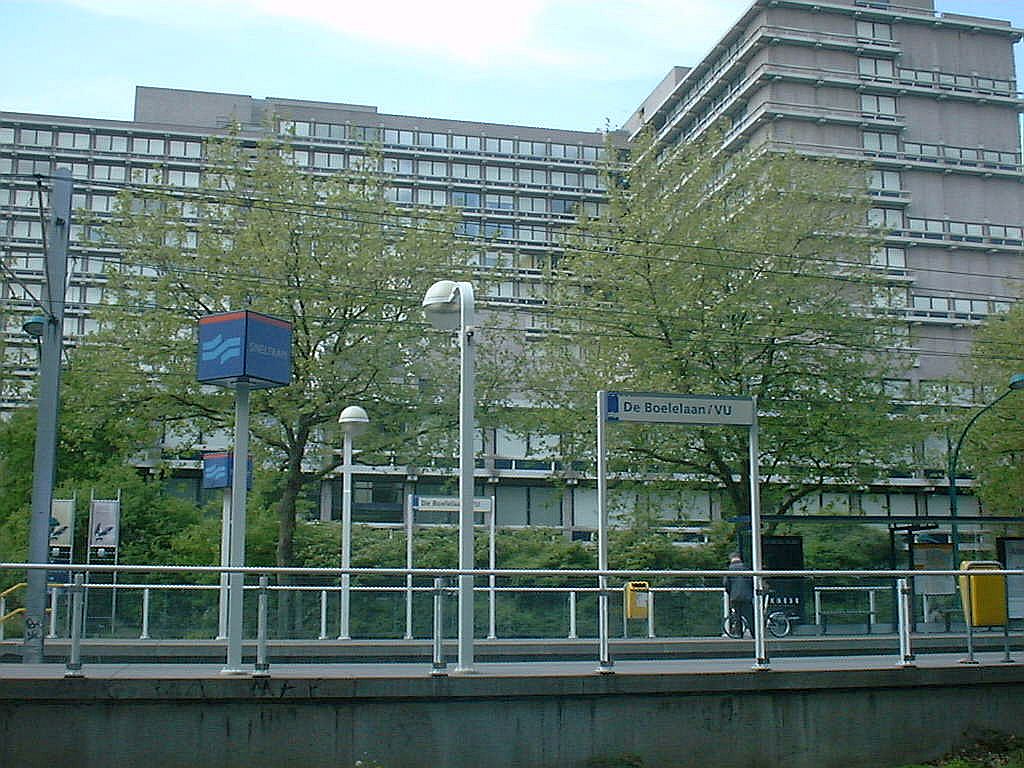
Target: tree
(328,254)
(994,448)
(726,274)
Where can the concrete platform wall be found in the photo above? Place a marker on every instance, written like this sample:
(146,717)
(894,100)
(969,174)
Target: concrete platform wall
(798,720)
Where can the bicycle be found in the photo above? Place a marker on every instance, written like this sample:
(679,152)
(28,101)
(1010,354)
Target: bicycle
(777,622)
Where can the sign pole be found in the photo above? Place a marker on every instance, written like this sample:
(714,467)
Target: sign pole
(225,561)
(605,663)
(760,653)
(409,527)
(237,580)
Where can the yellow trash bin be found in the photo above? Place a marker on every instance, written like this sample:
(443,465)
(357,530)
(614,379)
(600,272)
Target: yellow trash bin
(983,597)
(637,603)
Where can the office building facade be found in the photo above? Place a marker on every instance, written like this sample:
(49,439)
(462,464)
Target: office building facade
(927,101)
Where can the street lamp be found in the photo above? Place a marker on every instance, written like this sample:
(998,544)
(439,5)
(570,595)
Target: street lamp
(1016,383)
(353,421)
(448,305)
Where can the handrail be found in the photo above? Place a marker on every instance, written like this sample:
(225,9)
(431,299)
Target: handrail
(12,589)
(11,614)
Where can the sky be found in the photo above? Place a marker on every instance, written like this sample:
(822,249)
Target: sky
(573,64)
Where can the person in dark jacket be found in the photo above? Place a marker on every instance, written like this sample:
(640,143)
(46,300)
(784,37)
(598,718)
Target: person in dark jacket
(741,591)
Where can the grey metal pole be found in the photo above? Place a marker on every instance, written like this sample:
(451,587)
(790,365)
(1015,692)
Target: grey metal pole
(605,663)
(492,629)
(760,651)
(439,667)
(262,668)
(225,560)
(74,664)
(346,534)
(467,389)
(44,466)
(409,528)
(237,580)
(144,635)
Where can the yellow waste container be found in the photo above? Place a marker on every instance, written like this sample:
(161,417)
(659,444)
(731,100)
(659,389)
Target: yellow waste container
(637,602)
(983,597)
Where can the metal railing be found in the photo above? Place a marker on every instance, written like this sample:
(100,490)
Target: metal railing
(441,578)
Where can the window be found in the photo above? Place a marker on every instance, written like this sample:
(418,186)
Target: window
(886,218)
(890,258)
(499,202)
(435,140)
(874,30)
(73,140)
(567,151)
(466,199)
(101,203)
(108,172)
(402,166)
(534,148)
(465,171)
(563,206)
(533,176)
(931,303)
(562,179)
(363,133)
(877,105)
(392,136)
(35,138)
(533,205)
(144,146)
(78,170)
(329,131)
(6,135)
(499,146)
(111,143)
(502,230)
(431,168)
(328,160)
(888,181)
(466,143)
(185,149)
(873,68)
(431,197)
(502,173)
(183,178)
(294,128)
(880,142)
(30,167)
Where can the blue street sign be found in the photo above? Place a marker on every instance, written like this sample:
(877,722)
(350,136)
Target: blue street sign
(244,347)
(218,470)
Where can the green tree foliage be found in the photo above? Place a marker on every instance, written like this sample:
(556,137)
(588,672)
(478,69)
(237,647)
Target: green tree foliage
(327,253)
(994,448)
(725,274)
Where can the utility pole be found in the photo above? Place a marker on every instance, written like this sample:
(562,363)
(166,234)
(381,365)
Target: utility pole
(44,467)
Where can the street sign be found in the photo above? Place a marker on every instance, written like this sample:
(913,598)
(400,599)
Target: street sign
(659,408)
(244,347)
(450,504)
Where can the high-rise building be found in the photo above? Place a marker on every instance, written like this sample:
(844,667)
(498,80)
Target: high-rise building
(927,101)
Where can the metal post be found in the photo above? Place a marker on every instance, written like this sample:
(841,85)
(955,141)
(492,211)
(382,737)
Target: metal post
(760,651)
(904,617)
(409,528)
(1006,624)
(970,623)
(262,668)
(74,664)
(44,465)
(871,609)
(572,616)
(237,580)
(491,580)
(225,561)
(323,615)
(54,601)
(467,386)
(605,663)
(3,612)
(817,607)
(346,534)
(145,615)
(439,668)
(650,613)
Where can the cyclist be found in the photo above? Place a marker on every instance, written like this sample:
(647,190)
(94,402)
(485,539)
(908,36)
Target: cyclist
(741,591)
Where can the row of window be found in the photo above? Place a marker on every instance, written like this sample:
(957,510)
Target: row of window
(896,297)
(891,218)
(100,142)
(441,141)
(886,69)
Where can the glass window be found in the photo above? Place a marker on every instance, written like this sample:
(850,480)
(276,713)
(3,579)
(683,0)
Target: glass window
(532,205)
(499,173)
(108,172)
(465,171)
(6,135)
(874,30)
(533,176)
(562,179)
(467,143)
(34,137)
(880,142)
(78,170)
(31,167)
(431,197)
(145,146)
(876,104)
(179,178)
(111,143)
(500,146)
(431,168)
(185,148)
(466,199)
(884,180)
(66,140)
(499,202)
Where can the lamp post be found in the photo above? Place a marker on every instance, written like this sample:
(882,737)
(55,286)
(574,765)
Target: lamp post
(1016,383)
(353,421)
(449,306)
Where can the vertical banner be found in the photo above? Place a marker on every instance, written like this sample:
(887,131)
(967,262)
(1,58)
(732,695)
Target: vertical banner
(62,528)
(1011,555)
(105,526)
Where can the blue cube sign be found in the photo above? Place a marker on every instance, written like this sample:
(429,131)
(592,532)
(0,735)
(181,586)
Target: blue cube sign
(218,469)
(244,347)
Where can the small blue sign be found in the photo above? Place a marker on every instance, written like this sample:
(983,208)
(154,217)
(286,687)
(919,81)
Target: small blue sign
(218,469)
(244,347)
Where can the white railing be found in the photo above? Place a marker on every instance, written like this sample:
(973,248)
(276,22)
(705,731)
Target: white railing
(443,577)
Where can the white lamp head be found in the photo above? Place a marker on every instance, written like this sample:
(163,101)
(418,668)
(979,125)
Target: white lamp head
(442,305)
(353,420)
(1017,381)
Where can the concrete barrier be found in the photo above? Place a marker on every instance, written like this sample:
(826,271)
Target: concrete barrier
(797,719)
